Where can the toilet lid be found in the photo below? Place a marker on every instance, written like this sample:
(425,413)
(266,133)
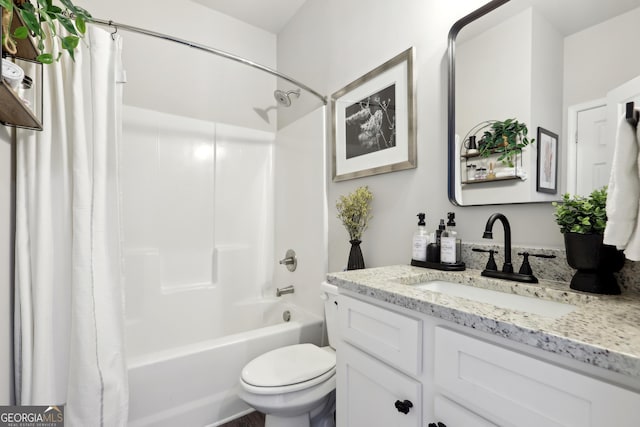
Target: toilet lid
(288,365)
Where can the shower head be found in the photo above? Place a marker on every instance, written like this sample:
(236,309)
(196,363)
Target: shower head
(284,98)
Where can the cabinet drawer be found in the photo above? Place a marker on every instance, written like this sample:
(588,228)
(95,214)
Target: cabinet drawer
(369,393)
(513,389)
(387,335)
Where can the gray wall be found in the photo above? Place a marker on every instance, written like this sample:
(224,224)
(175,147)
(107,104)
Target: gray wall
(331,43)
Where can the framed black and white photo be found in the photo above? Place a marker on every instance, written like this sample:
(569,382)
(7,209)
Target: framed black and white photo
(547,176)
(374,123)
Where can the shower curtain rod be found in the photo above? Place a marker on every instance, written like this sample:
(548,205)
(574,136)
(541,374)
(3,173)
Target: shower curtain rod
(215,51)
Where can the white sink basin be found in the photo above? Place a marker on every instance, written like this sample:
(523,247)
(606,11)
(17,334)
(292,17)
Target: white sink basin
(509,301)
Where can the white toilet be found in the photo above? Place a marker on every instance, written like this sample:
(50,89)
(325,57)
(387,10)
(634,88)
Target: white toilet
(295,385)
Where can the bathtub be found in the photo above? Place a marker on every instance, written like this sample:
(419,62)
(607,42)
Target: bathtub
(196,385)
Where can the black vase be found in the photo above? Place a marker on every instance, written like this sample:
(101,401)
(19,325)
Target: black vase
(356,261)
(595,262)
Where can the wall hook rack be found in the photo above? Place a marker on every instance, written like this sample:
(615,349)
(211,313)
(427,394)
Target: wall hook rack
(632,115)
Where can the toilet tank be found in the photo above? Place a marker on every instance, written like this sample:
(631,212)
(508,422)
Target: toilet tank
(330,296)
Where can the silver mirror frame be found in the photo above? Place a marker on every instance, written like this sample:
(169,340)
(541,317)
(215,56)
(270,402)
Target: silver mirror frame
(451,91)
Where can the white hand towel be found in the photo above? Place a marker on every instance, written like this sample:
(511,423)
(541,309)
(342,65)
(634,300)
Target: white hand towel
(623,201)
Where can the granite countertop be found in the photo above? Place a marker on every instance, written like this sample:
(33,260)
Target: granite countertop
(604,330)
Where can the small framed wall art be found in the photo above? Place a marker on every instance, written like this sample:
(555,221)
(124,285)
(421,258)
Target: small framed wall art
(374,121)
(547,176)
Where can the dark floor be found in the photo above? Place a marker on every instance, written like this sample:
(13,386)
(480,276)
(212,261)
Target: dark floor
(254,419)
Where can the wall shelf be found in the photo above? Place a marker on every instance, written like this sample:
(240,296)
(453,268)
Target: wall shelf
(13,111)
(482,181)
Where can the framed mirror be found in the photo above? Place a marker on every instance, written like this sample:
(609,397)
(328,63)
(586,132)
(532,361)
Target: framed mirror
(539,63)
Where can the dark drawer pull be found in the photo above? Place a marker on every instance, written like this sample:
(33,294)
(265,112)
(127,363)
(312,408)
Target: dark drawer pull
(404,407)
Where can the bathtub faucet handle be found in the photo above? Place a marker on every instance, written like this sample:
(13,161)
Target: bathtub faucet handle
(290,260)
(283,291)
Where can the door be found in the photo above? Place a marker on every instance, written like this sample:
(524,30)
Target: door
(594,150)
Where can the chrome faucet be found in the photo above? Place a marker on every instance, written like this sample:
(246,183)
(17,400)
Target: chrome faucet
(525,274)
(283,291)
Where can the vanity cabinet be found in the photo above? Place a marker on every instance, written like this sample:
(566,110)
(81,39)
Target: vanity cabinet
(389,355)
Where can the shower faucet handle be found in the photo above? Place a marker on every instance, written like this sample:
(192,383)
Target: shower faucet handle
(290,260)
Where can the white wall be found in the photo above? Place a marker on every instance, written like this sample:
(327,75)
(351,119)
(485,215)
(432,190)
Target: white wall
(6,267)
(546,95)
(479,71)
(171,78)
(300,207)
(592,67)
(331,43)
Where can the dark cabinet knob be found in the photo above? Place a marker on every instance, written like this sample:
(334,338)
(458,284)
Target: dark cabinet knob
(404,407)
(437,425)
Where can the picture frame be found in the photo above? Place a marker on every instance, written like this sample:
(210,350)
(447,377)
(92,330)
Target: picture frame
(547,162)
(373,122)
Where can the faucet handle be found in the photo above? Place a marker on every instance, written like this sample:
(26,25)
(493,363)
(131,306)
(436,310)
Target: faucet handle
(539,255)
(491,263)
(526,267)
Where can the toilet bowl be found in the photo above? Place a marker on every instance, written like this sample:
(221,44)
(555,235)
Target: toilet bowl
(294,386)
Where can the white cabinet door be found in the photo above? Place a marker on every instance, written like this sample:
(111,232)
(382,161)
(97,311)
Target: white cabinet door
(372,394)
(513,389)
(451,414)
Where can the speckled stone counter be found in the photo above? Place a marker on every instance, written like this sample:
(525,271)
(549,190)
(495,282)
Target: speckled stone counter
(603,331)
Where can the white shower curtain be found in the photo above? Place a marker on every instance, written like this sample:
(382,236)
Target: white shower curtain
(69,296)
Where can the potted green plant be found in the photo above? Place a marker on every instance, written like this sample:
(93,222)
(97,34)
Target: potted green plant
(582,221)
(354,210)
(39,18)
(506,138)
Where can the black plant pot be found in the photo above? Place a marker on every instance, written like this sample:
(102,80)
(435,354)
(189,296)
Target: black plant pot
(595,262)
(356,261)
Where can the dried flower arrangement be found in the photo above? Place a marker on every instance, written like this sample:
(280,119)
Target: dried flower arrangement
(354,211)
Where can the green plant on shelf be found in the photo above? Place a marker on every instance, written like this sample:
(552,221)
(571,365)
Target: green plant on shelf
(507,138)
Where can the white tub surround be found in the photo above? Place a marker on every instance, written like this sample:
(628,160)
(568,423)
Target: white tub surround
(602,331)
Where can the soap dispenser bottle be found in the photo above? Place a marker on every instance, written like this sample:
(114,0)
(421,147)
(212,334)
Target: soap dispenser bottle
(420,240)
(450,245)
(433,249)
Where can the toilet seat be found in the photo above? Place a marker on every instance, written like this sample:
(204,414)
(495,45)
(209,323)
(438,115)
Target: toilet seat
(289,369)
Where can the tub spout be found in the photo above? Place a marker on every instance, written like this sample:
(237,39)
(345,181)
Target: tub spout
(283,291)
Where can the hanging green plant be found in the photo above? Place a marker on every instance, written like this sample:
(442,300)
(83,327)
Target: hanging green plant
(39,18)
